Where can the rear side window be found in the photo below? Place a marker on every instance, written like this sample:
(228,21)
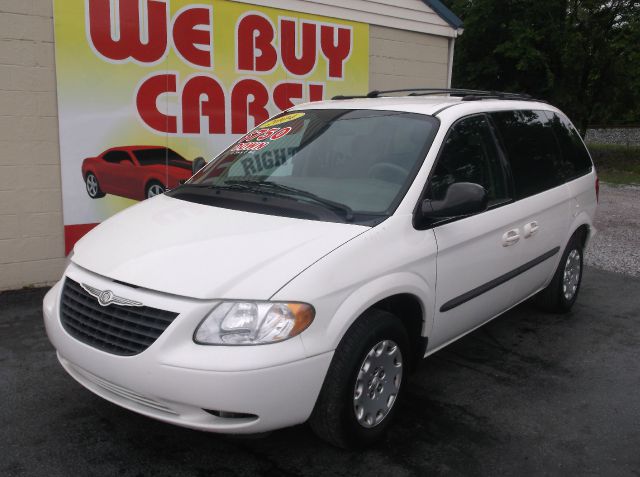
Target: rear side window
(469,154)
(576,160)
(532,150)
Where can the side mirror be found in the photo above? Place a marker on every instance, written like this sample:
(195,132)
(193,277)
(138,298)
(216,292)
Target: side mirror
(197,164)
(462,198)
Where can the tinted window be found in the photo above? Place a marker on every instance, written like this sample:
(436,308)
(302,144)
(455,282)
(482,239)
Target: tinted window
(469,154)
(161,156)
(117,157)
(532,150)
(575,158)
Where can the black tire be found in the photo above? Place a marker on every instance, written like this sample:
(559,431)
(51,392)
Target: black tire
(334,416)
(93,186)
(553,299)
(154,188)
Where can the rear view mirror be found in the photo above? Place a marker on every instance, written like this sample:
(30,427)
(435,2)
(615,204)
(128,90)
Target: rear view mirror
(197,164)
(462,198)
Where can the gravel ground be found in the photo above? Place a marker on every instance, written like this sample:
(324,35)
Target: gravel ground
(616,246)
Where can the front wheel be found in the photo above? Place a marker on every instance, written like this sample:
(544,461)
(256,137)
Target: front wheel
(93,186)
(562,292)
(364,382)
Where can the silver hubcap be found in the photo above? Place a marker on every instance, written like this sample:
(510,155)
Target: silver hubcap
(155,190)
(571,278)
(378,383)
(92,185)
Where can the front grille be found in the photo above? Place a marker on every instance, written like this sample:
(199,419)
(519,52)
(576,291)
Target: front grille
(121,330)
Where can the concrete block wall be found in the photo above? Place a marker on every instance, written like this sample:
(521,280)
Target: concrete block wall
(31,230)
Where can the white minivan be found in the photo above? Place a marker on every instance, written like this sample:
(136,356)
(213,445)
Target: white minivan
(301,274)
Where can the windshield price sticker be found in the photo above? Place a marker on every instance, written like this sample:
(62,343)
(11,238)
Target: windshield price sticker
(272,134)
(281,120)
(249,146)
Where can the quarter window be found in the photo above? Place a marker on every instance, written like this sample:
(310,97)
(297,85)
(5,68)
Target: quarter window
(469,154)
(532,150)
(576,160)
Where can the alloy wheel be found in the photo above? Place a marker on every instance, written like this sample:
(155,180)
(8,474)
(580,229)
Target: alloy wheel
(92,185)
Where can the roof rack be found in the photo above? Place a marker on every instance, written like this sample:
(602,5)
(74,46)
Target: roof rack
(465,94)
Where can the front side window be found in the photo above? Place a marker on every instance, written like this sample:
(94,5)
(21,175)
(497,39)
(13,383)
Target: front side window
(469,154)
(532,150)
(161,156)
(116,157)
(359,163)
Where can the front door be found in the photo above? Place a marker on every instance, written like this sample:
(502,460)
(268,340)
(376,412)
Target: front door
(476,254)
(117,166)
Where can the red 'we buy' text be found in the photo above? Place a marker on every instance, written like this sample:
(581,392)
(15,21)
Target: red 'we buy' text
(144,32)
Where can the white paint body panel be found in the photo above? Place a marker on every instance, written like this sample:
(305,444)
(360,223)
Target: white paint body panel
(279,382)
(184,257)
(392,258)
(469,260)
(194,250)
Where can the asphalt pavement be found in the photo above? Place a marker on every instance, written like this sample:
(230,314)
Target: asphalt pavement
(528,394)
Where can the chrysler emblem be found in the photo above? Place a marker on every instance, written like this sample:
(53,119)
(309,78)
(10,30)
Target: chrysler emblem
(107,297)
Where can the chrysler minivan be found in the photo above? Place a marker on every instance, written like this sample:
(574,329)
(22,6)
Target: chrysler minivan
(302,273)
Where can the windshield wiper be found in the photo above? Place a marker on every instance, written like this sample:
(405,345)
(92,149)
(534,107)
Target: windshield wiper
(221,186)
(281,188)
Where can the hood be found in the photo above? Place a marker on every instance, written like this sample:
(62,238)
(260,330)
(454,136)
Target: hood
(199,251)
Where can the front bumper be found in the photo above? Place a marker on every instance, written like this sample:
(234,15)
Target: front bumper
(177,381)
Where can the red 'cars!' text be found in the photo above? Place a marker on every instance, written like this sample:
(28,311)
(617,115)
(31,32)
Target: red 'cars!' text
(260,47)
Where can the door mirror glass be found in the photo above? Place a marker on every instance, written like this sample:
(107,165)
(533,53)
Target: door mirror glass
(461,198)
(197,164)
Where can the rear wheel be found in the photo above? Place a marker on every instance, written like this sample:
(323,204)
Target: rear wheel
(154,188)
(562,292)
(93,186)
(364,382)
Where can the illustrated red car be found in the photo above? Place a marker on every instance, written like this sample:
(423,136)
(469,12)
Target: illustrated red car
(135,172)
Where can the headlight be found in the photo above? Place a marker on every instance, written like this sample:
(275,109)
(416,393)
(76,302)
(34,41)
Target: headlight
(252,323)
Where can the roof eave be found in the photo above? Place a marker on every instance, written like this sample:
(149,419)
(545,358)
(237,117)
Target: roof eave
(446,14)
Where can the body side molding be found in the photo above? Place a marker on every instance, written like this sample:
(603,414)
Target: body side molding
(470,295)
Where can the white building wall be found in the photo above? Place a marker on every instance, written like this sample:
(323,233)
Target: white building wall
(406,59)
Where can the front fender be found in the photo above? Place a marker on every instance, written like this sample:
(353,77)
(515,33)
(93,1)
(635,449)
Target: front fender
(374,291)
(390,259)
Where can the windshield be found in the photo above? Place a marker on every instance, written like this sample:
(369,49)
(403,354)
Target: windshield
(358,163)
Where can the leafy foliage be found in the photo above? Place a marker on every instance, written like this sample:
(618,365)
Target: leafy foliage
(582,55)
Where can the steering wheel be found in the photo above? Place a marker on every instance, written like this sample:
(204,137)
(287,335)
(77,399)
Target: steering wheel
(388,172)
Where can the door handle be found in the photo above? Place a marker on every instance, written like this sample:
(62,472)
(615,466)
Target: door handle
(511,237)
(531,229)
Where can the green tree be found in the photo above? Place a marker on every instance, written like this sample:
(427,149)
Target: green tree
(582,55)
